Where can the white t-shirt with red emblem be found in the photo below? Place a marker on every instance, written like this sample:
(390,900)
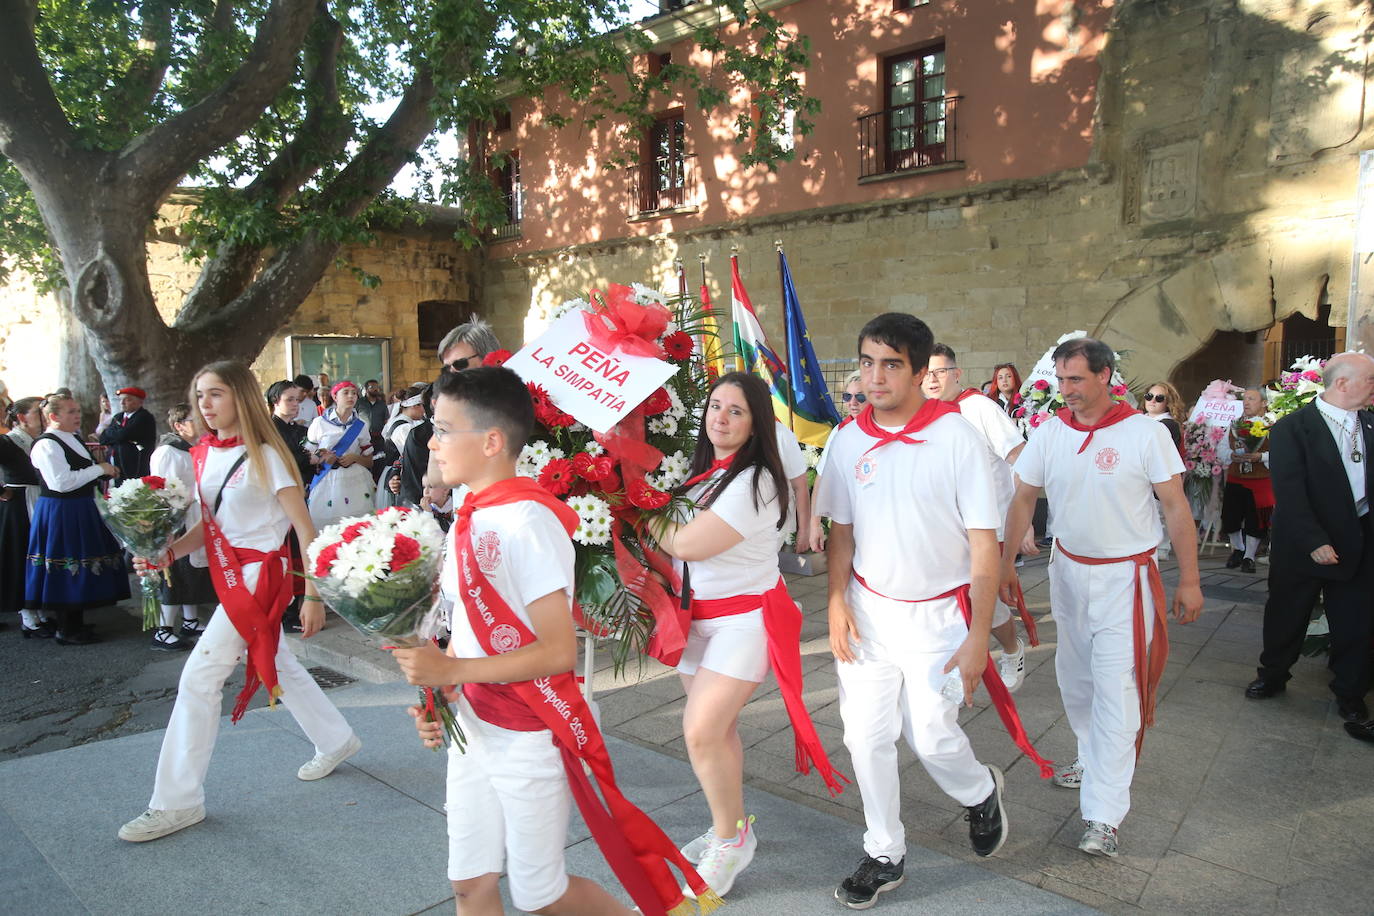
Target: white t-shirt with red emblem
(523,551)
(1103,499)
(911,505)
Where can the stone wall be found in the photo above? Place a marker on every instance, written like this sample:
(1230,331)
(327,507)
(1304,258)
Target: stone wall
(1220,197)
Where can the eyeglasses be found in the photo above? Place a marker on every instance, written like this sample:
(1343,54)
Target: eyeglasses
(458,365)
(442,435)
(940,373)
(1161,398)
(850,396)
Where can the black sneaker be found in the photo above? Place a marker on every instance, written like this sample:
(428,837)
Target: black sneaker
(1234,559)
(1247,565)
(987,825)
(873,876)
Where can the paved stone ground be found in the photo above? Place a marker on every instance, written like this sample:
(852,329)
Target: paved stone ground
(1239,806)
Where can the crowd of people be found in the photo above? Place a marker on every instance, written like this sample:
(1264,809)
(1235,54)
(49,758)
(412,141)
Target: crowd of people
(925,501)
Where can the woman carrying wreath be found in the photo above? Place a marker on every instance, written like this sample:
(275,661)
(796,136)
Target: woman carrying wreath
(341,446)
(250,499)
(743,620)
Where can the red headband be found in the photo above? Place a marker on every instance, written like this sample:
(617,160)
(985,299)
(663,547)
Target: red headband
(340,385)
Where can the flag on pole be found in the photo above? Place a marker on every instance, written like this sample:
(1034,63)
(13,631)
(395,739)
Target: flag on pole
(813,411)
(712,349)
(752,353)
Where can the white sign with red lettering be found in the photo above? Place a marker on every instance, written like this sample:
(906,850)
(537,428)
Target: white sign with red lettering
(597,387)
(1217,411)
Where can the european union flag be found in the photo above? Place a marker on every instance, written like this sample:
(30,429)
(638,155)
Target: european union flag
(813,412)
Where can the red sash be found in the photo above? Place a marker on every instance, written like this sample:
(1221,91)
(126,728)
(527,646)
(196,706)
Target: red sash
(1021,609)
(1149,665)
(930,411)
(256,615)
(634,846)
(782,625)
(1261,487)
(997,690)
(1118,412)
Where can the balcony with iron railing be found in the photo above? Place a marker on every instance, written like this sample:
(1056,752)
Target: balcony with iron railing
(921,136)
(662,186)
(515,205)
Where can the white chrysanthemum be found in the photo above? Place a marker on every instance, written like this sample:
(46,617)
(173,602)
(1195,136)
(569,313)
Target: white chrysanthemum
(594,520)
(813,456)
(679,409)
(672,470)
(564,308)
(645,295)
(671,328)
(666,424)
(534,456)
(594,448)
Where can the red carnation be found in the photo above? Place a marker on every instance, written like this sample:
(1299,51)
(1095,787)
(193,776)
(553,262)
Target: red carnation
(325,560)
(678,345)
(355,531)
(404,551)
(549,415)
(155,483)
(557,476)
(496,358)
(1042,385)
(537,394)
(641,494)
(657,403)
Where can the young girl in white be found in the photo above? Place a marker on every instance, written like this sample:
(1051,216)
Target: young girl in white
(250,497)
(341,445)
(187,585)
(743,621)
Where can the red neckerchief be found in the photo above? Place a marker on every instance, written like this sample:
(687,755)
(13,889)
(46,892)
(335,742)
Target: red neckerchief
(634,846)
(1118,412)
(845,422)
(212,440)
(256,615)
(930,411)
(719,464)
(967,393)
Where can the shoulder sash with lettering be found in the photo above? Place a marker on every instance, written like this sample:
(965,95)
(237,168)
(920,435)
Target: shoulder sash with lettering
(634,846)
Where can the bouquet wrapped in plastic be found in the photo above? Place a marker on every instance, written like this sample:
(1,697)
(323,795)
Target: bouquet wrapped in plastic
(378,572)
(145,514)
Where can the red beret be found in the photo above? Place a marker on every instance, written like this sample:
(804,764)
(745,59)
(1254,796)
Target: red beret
(136,392)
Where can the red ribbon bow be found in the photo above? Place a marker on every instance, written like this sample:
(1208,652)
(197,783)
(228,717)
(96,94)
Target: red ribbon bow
(617,322)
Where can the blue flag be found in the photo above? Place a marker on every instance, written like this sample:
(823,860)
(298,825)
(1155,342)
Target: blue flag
(813,411)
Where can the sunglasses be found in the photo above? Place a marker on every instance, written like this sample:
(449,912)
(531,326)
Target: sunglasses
(1161,398)
(458,365)
(848,396)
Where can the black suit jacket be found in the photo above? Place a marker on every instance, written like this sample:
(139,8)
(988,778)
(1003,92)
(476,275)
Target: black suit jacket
(131,439)
(1312,500)
(414,463)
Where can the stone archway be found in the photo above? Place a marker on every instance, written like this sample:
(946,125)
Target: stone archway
(1246,288)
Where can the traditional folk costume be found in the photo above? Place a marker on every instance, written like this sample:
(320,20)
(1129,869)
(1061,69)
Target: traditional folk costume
(510,794)
(1246,502)
(130,437)
(187,582)
(743,619)
(245,533)
(19,489)
(1105,587)
(911,495)
(338,492)
(74,563)
(1002,437)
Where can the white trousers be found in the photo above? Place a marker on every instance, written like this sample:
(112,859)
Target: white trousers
(191,732)
(1095,664)
(893,688)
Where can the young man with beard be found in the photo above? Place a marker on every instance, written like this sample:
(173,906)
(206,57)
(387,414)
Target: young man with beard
(913,566)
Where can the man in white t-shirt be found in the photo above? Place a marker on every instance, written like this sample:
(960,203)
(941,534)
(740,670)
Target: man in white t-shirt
(913,543)
(943,382)
(1102,465)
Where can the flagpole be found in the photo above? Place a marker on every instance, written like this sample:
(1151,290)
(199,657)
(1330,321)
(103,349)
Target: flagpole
(786,342)
(705,344)
(734,272)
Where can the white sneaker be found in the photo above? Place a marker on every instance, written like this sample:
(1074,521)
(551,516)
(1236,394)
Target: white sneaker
(723,861)
(1069,777)
(1012,667)
(156,823)
(694,850)
(1099,840)
(321,765)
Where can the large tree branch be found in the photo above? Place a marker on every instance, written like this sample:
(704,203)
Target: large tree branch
(34,131)
(145,75)
(162,155)
(322,133)
(290,275)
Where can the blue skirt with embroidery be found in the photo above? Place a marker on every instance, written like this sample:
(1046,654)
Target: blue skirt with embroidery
(74,563)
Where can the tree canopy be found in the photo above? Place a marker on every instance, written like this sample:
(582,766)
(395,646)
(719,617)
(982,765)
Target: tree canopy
(268,108)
